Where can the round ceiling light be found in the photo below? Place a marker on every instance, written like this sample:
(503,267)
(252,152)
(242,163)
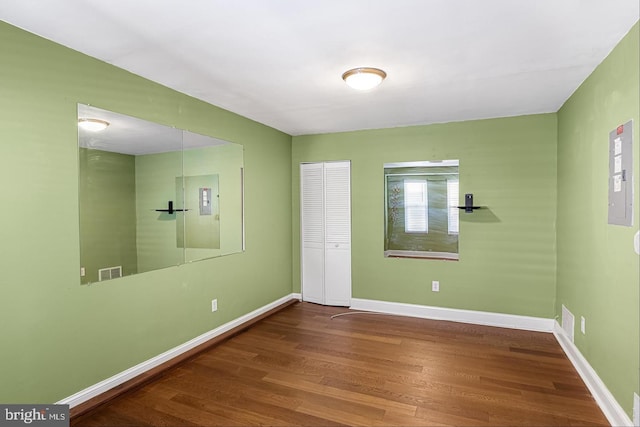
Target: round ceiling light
(364,78)
(93,125)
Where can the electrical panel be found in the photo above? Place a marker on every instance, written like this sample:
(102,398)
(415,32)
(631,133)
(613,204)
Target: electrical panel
(205,201)
(621,175)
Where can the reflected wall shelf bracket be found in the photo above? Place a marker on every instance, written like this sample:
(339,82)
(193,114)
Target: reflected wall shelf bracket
(170,209)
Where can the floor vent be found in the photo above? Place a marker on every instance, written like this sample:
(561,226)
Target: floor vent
(109,273)
(568,322)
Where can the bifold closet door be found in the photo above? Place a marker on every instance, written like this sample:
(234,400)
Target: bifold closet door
(326,232)
(312,230)
(337,242)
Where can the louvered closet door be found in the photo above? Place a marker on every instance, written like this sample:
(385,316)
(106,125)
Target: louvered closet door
(312,234)
(337,196)
(326,232)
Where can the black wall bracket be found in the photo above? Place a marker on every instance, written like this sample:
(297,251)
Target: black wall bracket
(468,204)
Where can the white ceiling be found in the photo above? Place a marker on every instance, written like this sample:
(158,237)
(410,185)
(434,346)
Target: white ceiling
(280,62)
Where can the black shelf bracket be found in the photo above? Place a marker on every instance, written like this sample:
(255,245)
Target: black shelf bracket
(170,209)
(468,204)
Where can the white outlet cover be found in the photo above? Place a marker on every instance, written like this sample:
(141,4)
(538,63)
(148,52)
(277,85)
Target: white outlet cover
(435,286)
(636,242)
(582,325)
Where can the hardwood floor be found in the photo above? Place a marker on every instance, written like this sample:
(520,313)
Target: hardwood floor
(301,367)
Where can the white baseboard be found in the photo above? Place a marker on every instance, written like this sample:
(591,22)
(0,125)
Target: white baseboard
(608,404)
(456,315)
(124,376)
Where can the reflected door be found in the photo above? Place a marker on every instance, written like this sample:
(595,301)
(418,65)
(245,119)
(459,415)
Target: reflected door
(201,228)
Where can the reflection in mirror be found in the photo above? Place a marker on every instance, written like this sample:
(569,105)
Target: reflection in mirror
(421,209)
(212,191)
(152,196)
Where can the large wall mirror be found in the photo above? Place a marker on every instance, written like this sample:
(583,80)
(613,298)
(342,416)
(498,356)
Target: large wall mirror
(152,196)
(421,209)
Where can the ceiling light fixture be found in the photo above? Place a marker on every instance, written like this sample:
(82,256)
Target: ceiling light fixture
(364,78)
(93,125)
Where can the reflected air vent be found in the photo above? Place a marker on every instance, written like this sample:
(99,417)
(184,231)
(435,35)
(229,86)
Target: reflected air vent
(109,273)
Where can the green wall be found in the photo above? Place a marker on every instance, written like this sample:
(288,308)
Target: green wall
(107,212)
(59,337)
(507,251)
(598,270)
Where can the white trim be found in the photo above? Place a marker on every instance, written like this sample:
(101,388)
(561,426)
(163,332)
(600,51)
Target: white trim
(608,404)
(126,375)
(396,253)
(456,315)
(422,164)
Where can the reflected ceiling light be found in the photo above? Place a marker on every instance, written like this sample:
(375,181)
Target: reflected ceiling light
(364,78)
(93,125)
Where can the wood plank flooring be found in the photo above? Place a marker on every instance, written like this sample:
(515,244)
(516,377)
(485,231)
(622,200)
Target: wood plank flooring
(300,367)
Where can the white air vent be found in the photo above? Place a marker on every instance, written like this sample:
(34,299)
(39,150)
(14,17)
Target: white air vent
(568,322)
(109,273)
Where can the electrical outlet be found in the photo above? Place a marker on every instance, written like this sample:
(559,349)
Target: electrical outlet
(435,286)
(214,305)
(583,325)
(82,272)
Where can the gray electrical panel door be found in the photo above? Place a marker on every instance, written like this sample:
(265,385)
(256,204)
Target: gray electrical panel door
(621,175)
